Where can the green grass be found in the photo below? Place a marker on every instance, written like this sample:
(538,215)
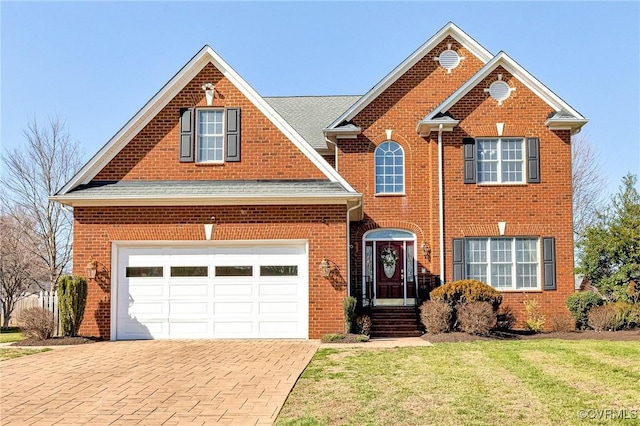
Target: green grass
(13,336)
(10,353)
(541,382)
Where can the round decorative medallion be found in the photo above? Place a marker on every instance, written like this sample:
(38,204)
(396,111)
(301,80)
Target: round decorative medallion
(499,90)
(449,59)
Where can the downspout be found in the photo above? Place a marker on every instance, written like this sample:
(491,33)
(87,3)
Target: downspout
(349,245)
(441,203)
(335,151)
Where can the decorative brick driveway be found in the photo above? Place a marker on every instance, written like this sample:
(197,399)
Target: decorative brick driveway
(153,383)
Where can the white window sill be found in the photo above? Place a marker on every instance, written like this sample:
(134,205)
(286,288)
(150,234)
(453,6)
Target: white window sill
(390,194)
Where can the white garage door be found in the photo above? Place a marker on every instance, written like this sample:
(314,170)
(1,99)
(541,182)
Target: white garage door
(212,292)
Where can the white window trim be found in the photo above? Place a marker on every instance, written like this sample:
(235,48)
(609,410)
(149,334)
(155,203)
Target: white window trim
(197,136)
(500,161)
(489,263)
(404,172)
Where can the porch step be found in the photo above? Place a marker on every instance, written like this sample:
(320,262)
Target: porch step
(394,321)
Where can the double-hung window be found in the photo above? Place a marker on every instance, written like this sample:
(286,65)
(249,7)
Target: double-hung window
(504,263)
(500,160)
(389,168)
(210,135)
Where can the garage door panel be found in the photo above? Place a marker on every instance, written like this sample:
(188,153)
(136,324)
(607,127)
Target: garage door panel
(278,289)
(189,308)
(184,289)
(147,308)
(231,289)
(233,328)
(233,308)
(189,329)
(225,291)
(278,307)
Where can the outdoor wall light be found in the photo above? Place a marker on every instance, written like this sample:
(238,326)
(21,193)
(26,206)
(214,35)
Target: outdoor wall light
(91,269)
(426,250)
(325,268)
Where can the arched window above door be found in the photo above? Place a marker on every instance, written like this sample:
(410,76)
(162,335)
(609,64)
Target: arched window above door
(389,168)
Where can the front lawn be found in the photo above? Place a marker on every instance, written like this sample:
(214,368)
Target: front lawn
(11,334)
(10,353)
(542,382)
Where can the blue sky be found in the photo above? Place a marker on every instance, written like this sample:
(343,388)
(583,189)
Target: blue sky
(95,64)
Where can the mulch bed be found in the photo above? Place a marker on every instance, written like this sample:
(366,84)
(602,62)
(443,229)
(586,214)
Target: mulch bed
(57,341)
(622,335)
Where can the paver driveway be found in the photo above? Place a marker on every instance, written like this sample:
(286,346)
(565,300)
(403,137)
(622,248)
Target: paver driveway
(153,382)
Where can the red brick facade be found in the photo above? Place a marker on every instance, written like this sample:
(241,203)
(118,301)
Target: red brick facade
(470,210)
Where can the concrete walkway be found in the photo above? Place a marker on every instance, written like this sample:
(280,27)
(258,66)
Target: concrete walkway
(191,382)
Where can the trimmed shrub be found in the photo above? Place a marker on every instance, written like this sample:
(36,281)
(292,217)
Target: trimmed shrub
(476,318)
(535,320)
(580,303)
(506,318)
(436,316)
(37,323)
(72,299)
(467,291)
(602,318)
(560,323)
(363,323)
(349,307)
(627,314)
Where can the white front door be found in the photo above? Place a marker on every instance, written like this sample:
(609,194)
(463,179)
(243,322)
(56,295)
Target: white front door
(230,291)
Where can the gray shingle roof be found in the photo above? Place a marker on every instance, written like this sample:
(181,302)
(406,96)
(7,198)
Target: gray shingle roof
(308,115)
(210,189)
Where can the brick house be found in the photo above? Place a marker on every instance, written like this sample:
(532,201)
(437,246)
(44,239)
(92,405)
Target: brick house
(215,212)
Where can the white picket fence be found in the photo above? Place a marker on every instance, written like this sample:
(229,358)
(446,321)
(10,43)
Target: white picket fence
(42,299)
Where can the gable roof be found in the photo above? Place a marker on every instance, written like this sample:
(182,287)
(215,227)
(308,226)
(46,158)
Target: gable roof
(564,115)
(205,56)
(308,115)
(448,30)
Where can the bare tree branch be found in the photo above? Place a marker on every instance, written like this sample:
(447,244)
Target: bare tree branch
(46,161)
(589,183)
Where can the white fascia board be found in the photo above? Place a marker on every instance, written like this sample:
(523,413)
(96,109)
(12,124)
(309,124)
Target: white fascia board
(425,127)
(503,60)
(244,199)
(448,30)
(572,124)
(168,92)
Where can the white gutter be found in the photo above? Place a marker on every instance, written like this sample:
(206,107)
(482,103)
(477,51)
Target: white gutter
(440,204)
(349,245)
(335,151)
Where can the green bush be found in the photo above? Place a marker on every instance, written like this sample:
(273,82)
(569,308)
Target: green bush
(467,291)
(436,316)
(72,299)
(349,307)
(580,303)
(476,318)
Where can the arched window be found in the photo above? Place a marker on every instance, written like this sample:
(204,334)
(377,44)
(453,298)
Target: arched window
(389,168)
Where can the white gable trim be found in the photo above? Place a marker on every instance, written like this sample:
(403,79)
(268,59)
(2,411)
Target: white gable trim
(168,92)
(448,30)
(503,60)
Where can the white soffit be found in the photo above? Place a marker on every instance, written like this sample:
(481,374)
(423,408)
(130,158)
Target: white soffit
(168,92)
(448,30)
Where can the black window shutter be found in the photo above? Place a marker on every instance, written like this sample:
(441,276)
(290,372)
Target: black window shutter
(458,259)
(549,263)
(186,135)
(469,152)
(233,135)
(533,160)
